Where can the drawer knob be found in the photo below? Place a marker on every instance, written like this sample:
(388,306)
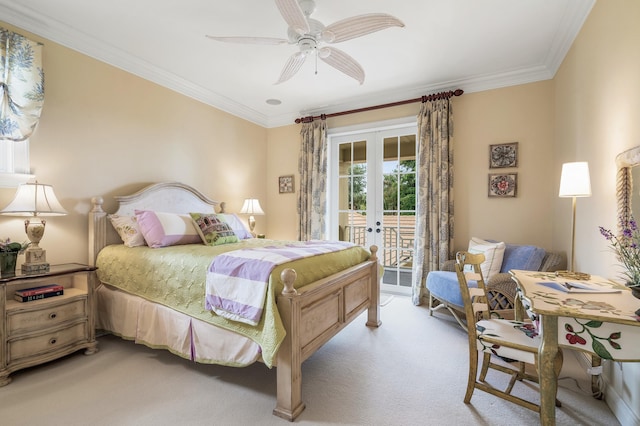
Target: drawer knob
(53,315)
(53,341)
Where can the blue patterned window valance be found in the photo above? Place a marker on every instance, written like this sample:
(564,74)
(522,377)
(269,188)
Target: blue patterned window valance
(21,85)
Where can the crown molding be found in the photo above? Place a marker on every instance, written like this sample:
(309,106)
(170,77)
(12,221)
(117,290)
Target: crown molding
(34,22)
(30,20)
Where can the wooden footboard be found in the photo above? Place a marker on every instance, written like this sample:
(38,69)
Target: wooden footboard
(314,314)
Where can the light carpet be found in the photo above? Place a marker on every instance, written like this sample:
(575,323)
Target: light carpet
(410,371)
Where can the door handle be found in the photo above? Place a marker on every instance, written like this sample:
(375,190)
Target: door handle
(378,230)
(369,230)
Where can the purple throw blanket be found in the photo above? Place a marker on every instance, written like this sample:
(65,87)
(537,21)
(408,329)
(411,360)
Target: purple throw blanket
(237,281)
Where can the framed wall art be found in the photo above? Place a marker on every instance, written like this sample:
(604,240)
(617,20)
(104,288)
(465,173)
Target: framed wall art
(503,155)
(285,184)
(503,184)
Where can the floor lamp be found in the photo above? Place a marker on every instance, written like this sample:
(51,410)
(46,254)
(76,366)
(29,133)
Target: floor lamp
(574,182)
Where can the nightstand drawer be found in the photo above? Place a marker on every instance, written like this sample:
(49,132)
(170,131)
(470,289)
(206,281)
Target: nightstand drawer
(50,315)
(28,347)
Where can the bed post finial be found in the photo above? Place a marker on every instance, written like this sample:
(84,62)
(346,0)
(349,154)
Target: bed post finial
(96,203)
(288,277)
(374,252)
(223,206)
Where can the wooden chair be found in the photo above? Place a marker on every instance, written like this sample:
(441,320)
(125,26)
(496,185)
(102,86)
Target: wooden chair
(514,341)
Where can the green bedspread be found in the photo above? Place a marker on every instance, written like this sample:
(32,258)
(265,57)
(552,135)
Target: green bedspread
(175,277)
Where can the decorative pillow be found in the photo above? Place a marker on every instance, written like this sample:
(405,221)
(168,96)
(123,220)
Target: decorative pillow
(493,255)
(213,230)
(166,229)
(238,226)
(527,258)
(127,228)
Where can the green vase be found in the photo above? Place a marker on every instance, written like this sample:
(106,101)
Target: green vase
(8,263)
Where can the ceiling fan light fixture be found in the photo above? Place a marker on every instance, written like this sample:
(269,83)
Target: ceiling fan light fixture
(307,44)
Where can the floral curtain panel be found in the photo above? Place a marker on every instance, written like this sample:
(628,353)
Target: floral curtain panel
(312,165)
(434,222)
(21,85)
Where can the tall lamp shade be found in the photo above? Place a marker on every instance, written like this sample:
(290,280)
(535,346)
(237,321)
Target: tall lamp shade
(34,200)
(251,206)
(574,182)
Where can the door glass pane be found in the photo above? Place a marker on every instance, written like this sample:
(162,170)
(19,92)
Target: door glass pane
(352,192)
(399,205)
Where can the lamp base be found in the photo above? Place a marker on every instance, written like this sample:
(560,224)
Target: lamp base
(35,261)
(35,268)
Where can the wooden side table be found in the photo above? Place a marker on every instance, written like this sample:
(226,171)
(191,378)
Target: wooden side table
(39,331)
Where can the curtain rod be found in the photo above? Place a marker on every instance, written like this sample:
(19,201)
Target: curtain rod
(423,99)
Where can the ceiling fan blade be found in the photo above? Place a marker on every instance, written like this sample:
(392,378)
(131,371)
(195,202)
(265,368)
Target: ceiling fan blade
(292,66)
(357,26)
(250,40)
(293,15)
(342,62)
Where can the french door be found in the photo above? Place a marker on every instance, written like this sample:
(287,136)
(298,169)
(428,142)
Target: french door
(372,197)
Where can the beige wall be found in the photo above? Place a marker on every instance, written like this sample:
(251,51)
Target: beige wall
(282,159)
(520,114)
(597,106)
(107,132)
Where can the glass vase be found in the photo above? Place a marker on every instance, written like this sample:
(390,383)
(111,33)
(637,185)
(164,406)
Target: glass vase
(8,262)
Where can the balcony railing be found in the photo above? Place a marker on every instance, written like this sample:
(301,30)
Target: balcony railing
(397,250)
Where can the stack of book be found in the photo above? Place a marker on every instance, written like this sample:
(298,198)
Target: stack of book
(35,293)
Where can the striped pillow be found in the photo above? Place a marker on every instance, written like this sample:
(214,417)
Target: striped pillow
(493,255)
(166,229)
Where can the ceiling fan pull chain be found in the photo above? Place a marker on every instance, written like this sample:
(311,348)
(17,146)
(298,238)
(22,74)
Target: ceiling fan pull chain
(316,49)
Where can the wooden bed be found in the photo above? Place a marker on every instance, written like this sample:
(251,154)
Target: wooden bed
(311,315)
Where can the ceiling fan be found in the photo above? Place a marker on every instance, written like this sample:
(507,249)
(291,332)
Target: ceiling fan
(309,34)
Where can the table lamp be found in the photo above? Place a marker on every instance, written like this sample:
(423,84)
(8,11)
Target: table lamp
(574,182)
(251,207)
(36,200)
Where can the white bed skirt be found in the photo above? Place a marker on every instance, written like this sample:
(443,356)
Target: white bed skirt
(157,326)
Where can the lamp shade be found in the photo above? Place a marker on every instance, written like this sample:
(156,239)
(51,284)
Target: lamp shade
(575,180)
(251,206)
(34,199)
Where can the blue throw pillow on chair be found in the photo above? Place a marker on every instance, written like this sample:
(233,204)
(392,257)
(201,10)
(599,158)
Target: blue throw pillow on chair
(527,258)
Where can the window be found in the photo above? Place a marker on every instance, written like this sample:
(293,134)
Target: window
(15,167)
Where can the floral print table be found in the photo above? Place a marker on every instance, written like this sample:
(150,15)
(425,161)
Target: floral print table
(604,324)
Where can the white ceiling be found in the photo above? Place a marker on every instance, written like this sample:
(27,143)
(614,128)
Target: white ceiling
(445,44)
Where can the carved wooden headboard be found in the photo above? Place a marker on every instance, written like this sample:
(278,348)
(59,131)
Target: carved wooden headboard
(169,197)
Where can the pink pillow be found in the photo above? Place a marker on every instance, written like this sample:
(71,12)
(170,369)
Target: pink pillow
(166,229)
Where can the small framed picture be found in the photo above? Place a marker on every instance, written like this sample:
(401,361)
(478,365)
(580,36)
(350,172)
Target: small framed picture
(285,184)
(503,155)
(503,184)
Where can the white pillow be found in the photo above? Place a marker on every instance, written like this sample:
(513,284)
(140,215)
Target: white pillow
(493,255)
(127,228)
(238,226)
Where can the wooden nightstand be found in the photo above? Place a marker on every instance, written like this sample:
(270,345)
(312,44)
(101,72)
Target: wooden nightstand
(39,331)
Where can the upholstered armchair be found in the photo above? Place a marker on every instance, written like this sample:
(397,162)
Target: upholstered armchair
(444,291)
